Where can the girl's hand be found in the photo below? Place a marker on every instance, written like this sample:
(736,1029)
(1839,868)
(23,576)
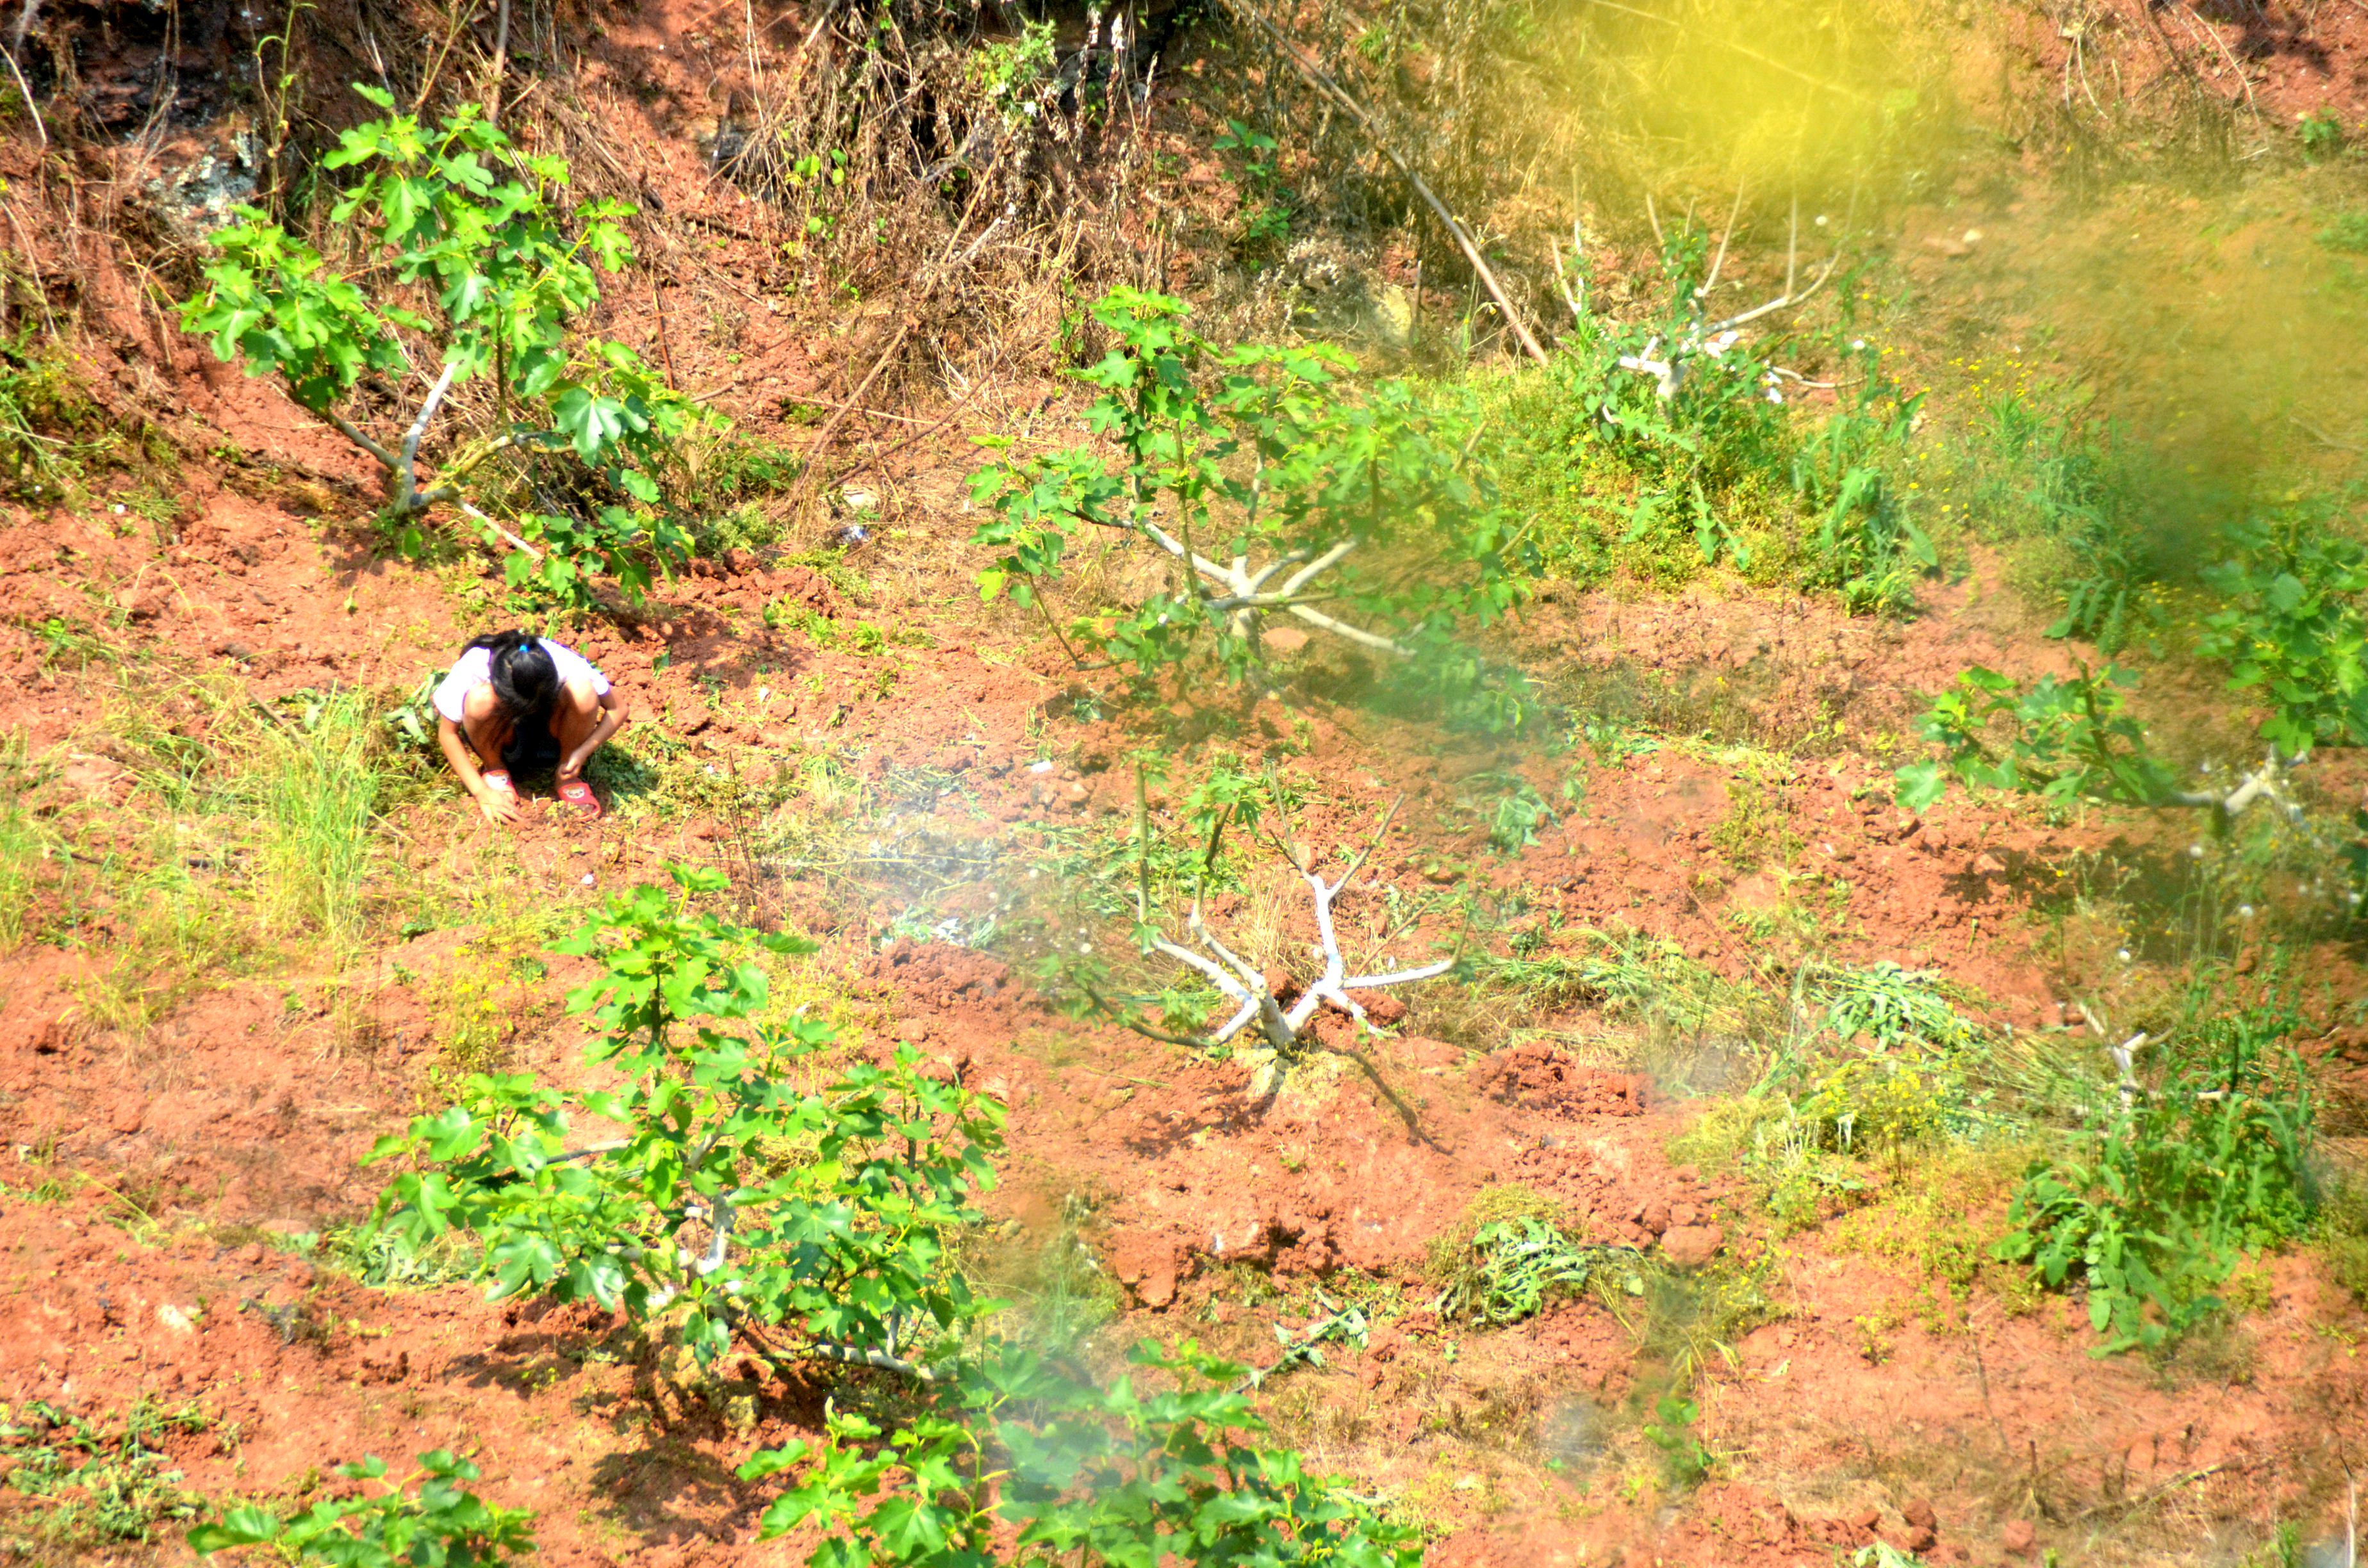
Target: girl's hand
(499,805)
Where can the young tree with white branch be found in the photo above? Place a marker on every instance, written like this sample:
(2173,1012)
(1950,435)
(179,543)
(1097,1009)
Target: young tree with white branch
(461,266)
(1267,489)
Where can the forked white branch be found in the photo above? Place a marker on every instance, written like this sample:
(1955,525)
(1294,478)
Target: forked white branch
(1245,595)
(1667,361)
(1245,984)
(2265,785)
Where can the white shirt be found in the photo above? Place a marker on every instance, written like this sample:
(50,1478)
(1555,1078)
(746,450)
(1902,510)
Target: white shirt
(476,667)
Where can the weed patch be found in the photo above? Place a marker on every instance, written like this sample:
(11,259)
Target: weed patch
(1512,1268)
(97,1483)
(2153,1214)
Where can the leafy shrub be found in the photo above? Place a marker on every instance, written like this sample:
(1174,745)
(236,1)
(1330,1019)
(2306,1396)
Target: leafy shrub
(1092,1475)
(442,1524)
(1866,548)
(1667,475)
(2294,635)
(472,231)
(2066,739)
(2348,234)
(1266,487)
(1667,485)
(827,1220)
(828,1215)
(2153,1214)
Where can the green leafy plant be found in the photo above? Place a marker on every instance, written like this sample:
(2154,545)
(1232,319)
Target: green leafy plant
(50,430)
(2066,740)
(462,255)
(1888,1004)
(826,1220)
(1017,73)
(1686,1458)
(1026,1465)
(2348,234)
(442,1525)
(2321,134)
(825,1215)
(1267,490)
(2152,1214)
(1867,548)
(1264,215)
(1520,813)
(2294,635)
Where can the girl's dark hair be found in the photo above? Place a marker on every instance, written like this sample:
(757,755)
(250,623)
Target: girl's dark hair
(526,681)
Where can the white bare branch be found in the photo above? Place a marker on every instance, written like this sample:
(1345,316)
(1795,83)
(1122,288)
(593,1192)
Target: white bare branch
(2265,785)
(1668,365)
(1246,985)
(1245,596)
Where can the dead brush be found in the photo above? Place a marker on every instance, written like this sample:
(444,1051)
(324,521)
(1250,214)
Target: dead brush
(969,178)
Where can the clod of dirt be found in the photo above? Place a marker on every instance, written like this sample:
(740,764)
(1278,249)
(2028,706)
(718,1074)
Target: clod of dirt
(1546,1077)
(1691,1246)
(2018,1537)
(1147,1264)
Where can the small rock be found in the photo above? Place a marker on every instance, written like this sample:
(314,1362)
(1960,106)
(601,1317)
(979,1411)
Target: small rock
(175,1319)
(130,1113)
(1283,639)
(1656,1216)
(1988,865)
(1919,1515)
(1682,1214)
(1918,1539)
(1866,1518)
(2017,1537)
(251,1253)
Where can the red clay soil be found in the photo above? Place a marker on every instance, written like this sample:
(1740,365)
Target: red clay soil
(1216,1196)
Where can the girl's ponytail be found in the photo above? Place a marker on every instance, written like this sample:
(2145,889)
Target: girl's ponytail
(525,680)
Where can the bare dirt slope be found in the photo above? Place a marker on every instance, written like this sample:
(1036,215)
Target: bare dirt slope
(176,1153)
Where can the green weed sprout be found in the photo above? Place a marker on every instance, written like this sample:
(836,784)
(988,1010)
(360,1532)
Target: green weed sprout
(442,1523)
(1687,1458)
(472,232)
(828,1215)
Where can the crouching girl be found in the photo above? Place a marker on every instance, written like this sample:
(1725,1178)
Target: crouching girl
(516,703)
